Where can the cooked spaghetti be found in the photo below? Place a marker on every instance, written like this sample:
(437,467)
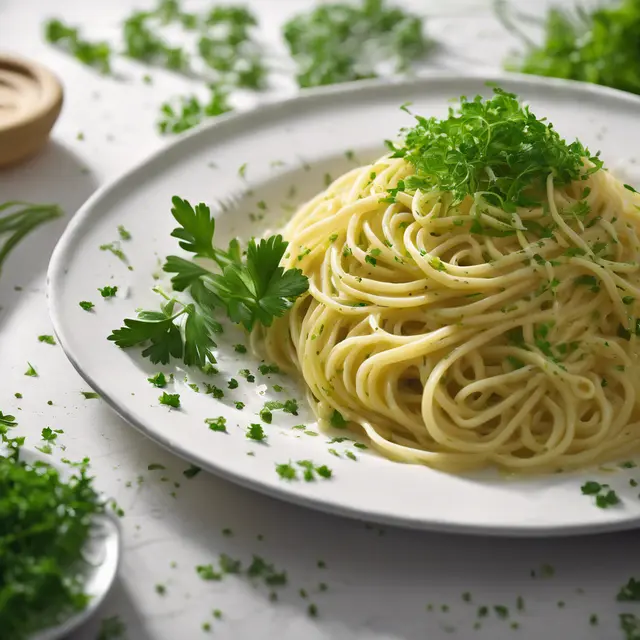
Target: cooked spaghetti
(473,297)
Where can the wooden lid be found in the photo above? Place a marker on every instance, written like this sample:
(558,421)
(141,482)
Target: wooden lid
(30,103)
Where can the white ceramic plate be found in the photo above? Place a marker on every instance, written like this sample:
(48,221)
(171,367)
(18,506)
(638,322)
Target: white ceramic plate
(297,143)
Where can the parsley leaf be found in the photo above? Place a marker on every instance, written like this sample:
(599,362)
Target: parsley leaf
(256,432)
(170,399)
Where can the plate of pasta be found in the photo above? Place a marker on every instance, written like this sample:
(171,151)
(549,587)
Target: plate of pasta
(414,303)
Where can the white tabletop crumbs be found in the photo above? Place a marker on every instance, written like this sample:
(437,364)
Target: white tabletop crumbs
(345,580)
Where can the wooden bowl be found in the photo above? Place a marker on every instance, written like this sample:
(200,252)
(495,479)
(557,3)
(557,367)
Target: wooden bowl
(30,103)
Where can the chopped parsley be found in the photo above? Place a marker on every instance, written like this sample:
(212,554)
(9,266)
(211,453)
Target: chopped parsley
(191,472)
(46,523)
(217,424)
(90,395)
(31,372)
(239,405)
(86,305)
(159,380)
(266,415)
(232,384)
(108,292)
(256,432)
(47,339)
(170,399)
(247,375)
(288,471)
(630,592)
(239,348)
(337,420)
(266,369)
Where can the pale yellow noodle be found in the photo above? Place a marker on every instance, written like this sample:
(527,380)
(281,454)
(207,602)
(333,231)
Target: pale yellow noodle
(460,350)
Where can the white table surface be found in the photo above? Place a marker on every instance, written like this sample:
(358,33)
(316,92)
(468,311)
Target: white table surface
(380,581)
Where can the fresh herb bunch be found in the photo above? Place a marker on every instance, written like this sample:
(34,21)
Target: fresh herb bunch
(44,524)
(93,54)
(17,219)
(250,288)
(600,46)
(496,147)
(187,112)
(341,42)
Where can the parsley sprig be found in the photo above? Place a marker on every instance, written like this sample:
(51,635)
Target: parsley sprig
(496,147)
(248,289)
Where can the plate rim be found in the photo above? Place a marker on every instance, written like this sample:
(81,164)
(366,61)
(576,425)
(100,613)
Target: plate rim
(57,268)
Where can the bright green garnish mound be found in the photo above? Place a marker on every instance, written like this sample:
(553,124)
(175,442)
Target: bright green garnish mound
(44,524)
(494,147)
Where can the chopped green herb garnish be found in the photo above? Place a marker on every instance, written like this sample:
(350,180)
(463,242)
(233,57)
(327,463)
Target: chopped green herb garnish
(239,405)
(630,592)
(239,348)
(337,420)
(286,471)
(206,572)
(46,523)
(256,432)
(31,372)
(606,500)
(90,395)
(170,399)
(86,305)
(217,424)
(591,488)
(47,339)
(108,292)
(114,248)
(159,380)
(191,472)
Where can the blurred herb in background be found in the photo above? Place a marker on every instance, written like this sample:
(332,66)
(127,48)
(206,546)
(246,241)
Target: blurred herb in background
(341,42)
(93,54)
(601,46)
